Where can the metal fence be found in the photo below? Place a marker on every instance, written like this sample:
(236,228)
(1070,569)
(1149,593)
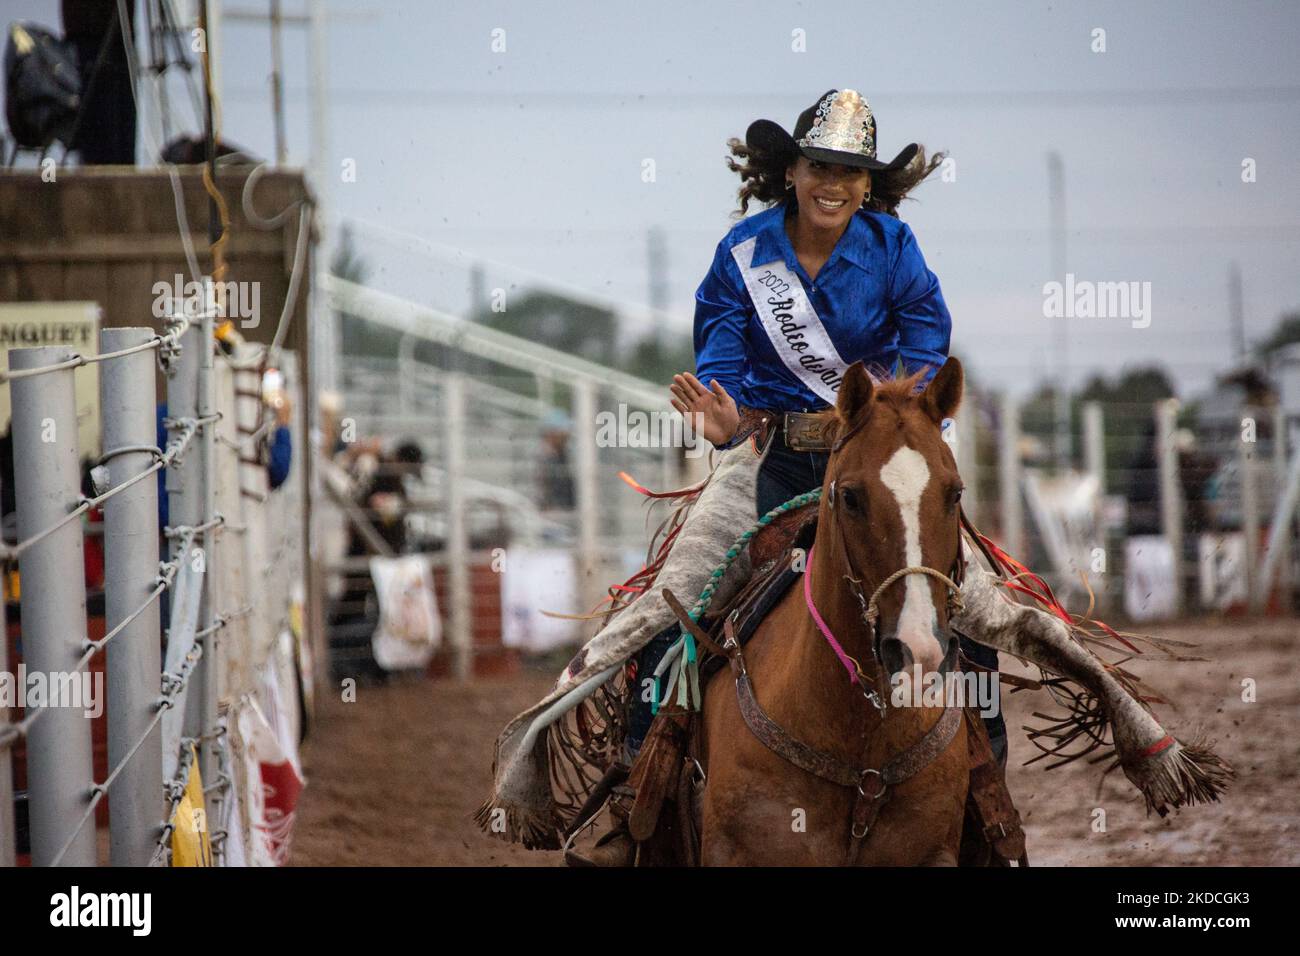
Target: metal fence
(1216,488)
(231,559)
(483,414)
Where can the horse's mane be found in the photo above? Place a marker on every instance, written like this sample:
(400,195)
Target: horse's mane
(897,390)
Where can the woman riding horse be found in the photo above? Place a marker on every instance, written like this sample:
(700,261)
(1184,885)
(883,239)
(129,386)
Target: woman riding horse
(825,277)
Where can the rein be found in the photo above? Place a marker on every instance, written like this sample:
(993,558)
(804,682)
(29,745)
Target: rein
(850,664)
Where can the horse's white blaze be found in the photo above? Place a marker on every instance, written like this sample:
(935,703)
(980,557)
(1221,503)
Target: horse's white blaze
(906,474)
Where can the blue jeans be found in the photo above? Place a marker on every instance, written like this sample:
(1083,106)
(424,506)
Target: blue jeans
(783,475)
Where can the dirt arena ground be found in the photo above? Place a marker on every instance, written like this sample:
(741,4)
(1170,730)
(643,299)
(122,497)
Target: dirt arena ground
(394,777)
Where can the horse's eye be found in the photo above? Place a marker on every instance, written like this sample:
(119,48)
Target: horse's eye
(850,499)
(954,496)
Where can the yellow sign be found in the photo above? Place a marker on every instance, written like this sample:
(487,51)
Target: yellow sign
(190,843)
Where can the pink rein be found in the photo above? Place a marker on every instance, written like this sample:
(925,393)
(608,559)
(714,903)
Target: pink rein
(849,664)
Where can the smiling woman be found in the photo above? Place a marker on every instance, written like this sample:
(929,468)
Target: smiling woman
(828,262)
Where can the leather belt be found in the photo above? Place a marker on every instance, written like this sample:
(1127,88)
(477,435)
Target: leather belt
(802,431)
(809,431)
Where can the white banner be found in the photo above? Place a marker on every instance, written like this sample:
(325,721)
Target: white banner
(1149,578)
(1222,569)
(409,628)
(538,580)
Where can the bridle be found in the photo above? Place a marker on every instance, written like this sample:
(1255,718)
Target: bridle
(870,609)
(872,784)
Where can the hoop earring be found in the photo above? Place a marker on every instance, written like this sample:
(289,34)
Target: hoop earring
(789,184)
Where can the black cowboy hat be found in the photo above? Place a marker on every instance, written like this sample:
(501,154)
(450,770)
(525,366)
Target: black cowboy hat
(839,128)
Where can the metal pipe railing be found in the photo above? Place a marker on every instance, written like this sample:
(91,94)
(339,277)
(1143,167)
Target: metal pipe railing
(134,661)
(47,483)
(148,700)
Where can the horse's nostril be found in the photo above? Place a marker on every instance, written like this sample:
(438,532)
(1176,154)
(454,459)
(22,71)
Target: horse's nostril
(895,655)
(950,645)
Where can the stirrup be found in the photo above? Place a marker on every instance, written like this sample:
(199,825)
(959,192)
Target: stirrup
(616,848)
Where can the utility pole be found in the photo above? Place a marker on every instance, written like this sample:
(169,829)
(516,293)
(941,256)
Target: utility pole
(1236,315)
(657,266)
(326,337)
(277,84)
(1056,212)
(478,297)
(209,133)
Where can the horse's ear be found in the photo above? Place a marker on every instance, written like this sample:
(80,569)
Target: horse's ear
(854,394)
(942,396)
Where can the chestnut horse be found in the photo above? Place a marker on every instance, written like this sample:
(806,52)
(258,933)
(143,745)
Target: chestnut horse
(888,528)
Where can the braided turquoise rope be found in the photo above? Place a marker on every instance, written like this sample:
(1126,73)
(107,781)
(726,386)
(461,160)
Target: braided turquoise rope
(706,596)
(687,672)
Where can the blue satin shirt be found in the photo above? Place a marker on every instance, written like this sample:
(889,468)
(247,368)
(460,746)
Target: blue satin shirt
(875,296)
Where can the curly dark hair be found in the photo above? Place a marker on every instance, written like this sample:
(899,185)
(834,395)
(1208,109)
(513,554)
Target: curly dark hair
(763,178)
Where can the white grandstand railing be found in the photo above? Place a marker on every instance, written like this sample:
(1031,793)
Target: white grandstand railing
(497,450)
(501,461)
(443,328)
(431,253)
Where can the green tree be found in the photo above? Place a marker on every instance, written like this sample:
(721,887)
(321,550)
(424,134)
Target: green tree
(574,328)
(359,337)
(1126,403)
(1284,333)
(659,360)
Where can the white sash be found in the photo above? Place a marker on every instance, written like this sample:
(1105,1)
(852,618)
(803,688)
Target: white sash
(788,318)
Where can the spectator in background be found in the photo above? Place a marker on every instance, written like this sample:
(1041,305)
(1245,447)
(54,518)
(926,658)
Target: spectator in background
(329,440)
(385,492)
(278,453)
(379,479)
(1195,471)
(279,446)
(554,474)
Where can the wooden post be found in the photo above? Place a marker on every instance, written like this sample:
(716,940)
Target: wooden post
(1171,497)
(459,614)
(588,501)
(1248,468)
(1283,514)
(1009,476)
(1094,456)
(1279,538)
(967,459)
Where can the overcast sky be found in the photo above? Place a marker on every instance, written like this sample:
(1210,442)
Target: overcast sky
(534,156)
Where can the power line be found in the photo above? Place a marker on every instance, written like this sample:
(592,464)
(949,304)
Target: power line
(693,100)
